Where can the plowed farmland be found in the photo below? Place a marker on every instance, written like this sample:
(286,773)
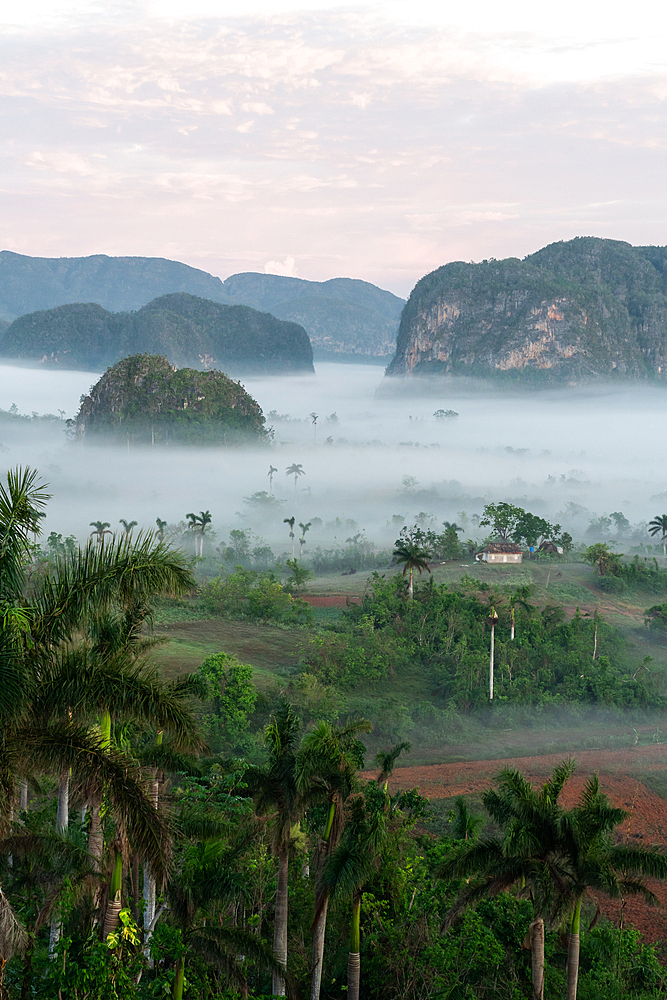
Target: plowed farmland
(623,776)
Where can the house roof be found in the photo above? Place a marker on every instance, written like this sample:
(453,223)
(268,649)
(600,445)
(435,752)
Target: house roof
(497,548)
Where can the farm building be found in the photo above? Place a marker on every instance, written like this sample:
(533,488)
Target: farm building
(500,552)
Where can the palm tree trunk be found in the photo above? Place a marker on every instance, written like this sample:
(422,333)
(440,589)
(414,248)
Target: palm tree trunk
(62,816)
(280,924)
(24,796)
(136,895)
(537,955)
(319,932)
(493,631)
(152,792)
(573,940)
(179,979)
(411,589)
(320,923)
(112,915)
(95,833)
(354,958)
(62,822)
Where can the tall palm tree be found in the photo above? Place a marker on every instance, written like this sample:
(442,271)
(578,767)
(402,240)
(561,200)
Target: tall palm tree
(291,521)
(519,599)
(272,471)
(128,526)
(34,736)
(412,556)
(314,418)
(491,621)
(296,471)
(276,791)
(198,524)
(101,529)
(161,525)
(354,863)
(304,528)
(529,854)
(657,525)
(594,861)
(329,760)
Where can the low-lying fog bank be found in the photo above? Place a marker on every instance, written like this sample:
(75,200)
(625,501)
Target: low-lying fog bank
(572,455)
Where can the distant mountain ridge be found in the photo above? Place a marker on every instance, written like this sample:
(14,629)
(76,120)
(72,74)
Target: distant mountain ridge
(575,311)
(341,315)
(188,330)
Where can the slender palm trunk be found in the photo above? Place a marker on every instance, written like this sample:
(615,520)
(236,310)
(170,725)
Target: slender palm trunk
(62,816)
(320,924)
(573,940)
(152,791)
(537,955)
(411,588)
(354,958)
(493,634)
(24,796)
(62,822)
(280,925)
(179,979)
(319,933)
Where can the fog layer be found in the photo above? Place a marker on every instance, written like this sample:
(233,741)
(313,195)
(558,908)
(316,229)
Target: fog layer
(375,451)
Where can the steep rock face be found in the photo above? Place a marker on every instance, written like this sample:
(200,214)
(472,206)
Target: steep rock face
(574,311)
(187,329)
(145,400)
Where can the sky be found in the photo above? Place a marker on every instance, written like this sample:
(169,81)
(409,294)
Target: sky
(375,141)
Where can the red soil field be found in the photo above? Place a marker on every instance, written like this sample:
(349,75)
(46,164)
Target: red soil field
(620,778)
(332,601)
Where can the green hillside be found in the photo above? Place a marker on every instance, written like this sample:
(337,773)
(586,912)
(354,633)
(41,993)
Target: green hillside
(145,400)
(189,330)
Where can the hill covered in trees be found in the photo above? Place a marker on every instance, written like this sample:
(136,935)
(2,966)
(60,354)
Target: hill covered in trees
(187,329)
(146,400)
(341,316)
(584,309)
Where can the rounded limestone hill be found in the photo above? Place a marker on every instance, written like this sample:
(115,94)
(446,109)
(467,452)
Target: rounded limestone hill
(144,399)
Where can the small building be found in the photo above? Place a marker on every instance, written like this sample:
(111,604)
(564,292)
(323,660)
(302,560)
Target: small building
(500,552)
(551,549)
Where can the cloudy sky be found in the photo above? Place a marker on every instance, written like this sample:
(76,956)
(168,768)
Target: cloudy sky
(371,140)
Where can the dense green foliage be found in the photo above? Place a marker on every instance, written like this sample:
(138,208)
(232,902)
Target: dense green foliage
(445,632)
(617,576)
(187,329)
(259,596)
(145,400)
(608,298)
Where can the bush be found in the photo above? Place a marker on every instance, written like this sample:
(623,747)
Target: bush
(610,584)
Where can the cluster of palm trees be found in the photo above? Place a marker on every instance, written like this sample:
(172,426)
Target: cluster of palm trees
(75,677)
(321,768)
(553,856)
(197,524)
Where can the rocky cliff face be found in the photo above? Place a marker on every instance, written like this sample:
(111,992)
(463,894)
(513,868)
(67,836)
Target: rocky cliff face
(575,311)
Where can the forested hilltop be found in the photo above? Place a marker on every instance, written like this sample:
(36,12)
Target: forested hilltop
(187,329)
(584,309)
(342,316)
(144,399)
